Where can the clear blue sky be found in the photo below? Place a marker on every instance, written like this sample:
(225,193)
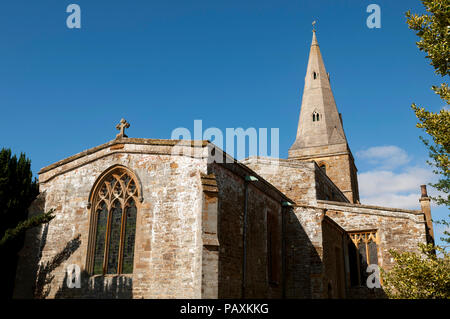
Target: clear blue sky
(163,64)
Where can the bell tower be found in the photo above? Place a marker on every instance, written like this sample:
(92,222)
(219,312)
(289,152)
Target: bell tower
(320,133)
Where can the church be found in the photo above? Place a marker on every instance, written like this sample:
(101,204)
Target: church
(153,218)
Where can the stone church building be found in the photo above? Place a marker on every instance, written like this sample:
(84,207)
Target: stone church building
(151,218)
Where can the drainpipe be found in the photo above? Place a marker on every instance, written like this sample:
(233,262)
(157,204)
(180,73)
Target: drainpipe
(248,179)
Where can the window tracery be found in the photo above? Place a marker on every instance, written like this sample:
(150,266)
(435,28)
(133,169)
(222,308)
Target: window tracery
(113,223)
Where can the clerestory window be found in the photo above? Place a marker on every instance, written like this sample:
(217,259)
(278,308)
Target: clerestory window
(113,223)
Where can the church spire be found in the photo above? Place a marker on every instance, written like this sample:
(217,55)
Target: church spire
(314,39)
(320,135)
(319,122)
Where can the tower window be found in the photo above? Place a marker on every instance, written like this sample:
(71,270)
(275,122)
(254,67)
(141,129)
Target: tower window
(316,117)
(314,75)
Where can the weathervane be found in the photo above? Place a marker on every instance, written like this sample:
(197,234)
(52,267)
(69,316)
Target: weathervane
(314,25)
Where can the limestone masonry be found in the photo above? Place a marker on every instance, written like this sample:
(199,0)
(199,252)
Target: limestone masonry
(150,218)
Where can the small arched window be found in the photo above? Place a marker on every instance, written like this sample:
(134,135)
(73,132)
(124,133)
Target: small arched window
(113,223)
(314,75)
(316,117)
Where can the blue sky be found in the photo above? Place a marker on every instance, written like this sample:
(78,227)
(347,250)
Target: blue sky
(163,64)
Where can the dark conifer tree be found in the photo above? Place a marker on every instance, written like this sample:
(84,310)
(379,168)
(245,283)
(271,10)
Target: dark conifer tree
(18,189)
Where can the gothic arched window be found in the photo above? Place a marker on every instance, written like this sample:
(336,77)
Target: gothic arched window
(365,253)
(113,223)
(314,75)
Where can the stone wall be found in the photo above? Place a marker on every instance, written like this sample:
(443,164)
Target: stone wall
(325,188)
(167,256)
(30,254)
(189,226)
(262,199)
(333,259)
(397,229)
(305,183)
(339,164)
(295,179)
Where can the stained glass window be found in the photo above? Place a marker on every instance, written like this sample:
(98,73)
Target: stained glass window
(373,258)
(115,207)
(102,216)
(114,238)
(130,231)
(363,262)
(364,246)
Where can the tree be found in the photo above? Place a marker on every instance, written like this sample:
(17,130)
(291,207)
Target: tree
(418,276)
(427,274)
(17,191)
(434,32)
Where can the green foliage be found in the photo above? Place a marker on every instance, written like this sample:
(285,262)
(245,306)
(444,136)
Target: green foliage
(17,191)
(434,32)
(22,227)
(437,125)
(418,276)
(427,274)
(446,232)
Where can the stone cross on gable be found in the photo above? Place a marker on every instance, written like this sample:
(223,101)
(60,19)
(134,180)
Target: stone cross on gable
(121,127)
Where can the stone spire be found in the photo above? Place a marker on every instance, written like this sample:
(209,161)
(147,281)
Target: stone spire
(320,122)
(320,135)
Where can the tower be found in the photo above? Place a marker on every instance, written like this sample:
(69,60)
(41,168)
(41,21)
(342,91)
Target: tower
(320,134)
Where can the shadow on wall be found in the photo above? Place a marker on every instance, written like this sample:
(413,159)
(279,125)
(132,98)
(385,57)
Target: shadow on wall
(304,266)
(98,287)
(346,265)
(311,271)
(44,274)
(90,287)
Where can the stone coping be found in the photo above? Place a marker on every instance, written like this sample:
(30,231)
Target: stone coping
(295,163)
(330,182)
(239,168)
(281,161)
(358,206)
(126,140)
